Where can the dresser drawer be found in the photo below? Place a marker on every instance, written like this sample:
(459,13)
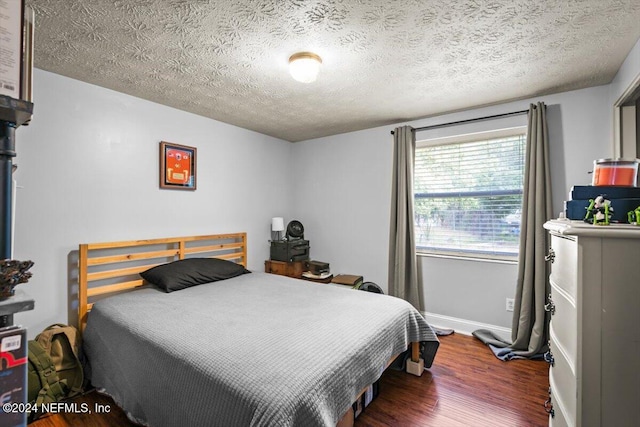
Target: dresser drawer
(564,266)
(562,379)
(564,321)
(558,419)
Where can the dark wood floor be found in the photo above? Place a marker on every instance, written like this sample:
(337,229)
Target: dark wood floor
(466,386)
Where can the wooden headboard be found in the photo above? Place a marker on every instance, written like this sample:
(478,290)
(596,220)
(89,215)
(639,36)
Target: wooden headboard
(106,268)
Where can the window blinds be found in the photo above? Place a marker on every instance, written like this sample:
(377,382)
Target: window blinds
(468,196)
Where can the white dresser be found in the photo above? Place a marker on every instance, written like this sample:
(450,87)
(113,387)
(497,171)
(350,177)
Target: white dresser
(595,324)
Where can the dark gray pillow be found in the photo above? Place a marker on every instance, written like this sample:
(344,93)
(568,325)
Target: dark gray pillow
(189,272)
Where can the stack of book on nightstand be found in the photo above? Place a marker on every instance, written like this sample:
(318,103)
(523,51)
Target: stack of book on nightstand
(317,271)
(348,279)
(310,275)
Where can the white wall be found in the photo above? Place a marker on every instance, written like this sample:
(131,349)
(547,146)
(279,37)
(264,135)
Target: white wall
(342,186)
(625,121)
(88,172)
(629,70)
(343,193)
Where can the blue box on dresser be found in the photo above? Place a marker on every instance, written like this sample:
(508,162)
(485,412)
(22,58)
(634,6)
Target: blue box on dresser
(577,209)
(586,192)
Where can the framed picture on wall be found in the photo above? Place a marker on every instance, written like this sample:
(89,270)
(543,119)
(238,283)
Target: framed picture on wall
(177,166)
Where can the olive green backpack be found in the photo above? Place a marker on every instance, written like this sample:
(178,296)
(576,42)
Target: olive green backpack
(44,385)
(55,371)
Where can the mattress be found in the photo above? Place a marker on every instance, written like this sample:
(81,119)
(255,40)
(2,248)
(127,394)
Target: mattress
(254,350)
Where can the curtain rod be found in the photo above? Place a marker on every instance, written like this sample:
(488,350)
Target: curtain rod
(478,119)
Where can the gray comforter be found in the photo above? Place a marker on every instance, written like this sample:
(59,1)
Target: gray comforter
(255,350)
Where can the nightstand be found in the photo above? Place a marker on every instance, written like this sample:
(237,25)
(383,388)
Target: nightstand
(351,280)
(292,269)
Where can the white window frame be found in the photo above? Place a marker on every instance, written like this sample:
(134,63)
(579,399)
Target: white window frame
(461,139)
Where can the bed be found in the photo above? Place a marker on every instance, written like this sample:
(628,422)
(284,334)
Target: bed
(255,349)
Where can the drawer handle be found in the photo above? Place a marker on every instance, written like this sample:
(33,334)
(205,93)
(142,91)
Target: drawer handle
(548,357)
(548,407)
(550,306)
(551,256)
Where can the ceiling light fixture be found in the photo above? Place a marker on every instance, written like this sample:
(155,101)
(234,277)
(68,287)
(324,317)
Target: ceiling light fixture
(304,66)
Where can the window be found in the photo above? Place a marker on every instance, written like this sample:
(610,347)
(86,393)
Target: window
(468,194)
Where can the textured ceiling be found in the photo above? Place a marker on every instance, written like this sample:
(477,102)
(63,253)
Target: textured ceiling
(384,61)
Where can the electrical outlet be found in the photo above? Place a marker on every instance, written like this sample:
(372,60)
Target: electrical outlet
(510,303)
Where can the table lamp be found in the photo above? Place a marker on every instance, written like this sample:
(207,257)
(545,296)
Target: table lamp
(277,225)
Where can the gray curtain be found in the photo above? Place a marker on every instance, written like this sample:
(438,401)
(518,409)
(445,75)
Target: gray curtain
(403,269)
(529,330)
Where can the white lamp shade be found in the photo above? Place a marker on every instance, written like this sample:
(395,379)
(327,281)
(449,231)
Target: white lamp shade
(277,224)
(304,66)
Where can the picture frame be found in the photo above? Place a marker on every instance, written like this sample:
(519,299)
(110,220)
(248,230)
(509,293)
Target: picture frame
(178,166)
(12,30)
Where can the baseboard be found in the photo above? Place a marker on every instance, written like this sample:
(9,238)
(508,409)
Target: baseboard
(463,326)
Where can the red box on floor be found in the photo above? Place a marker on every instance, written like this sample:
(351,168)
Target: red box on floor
(13,376)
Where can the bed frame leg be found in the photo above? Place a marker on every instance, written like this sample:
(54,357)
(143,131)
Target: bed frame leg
(415,366)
